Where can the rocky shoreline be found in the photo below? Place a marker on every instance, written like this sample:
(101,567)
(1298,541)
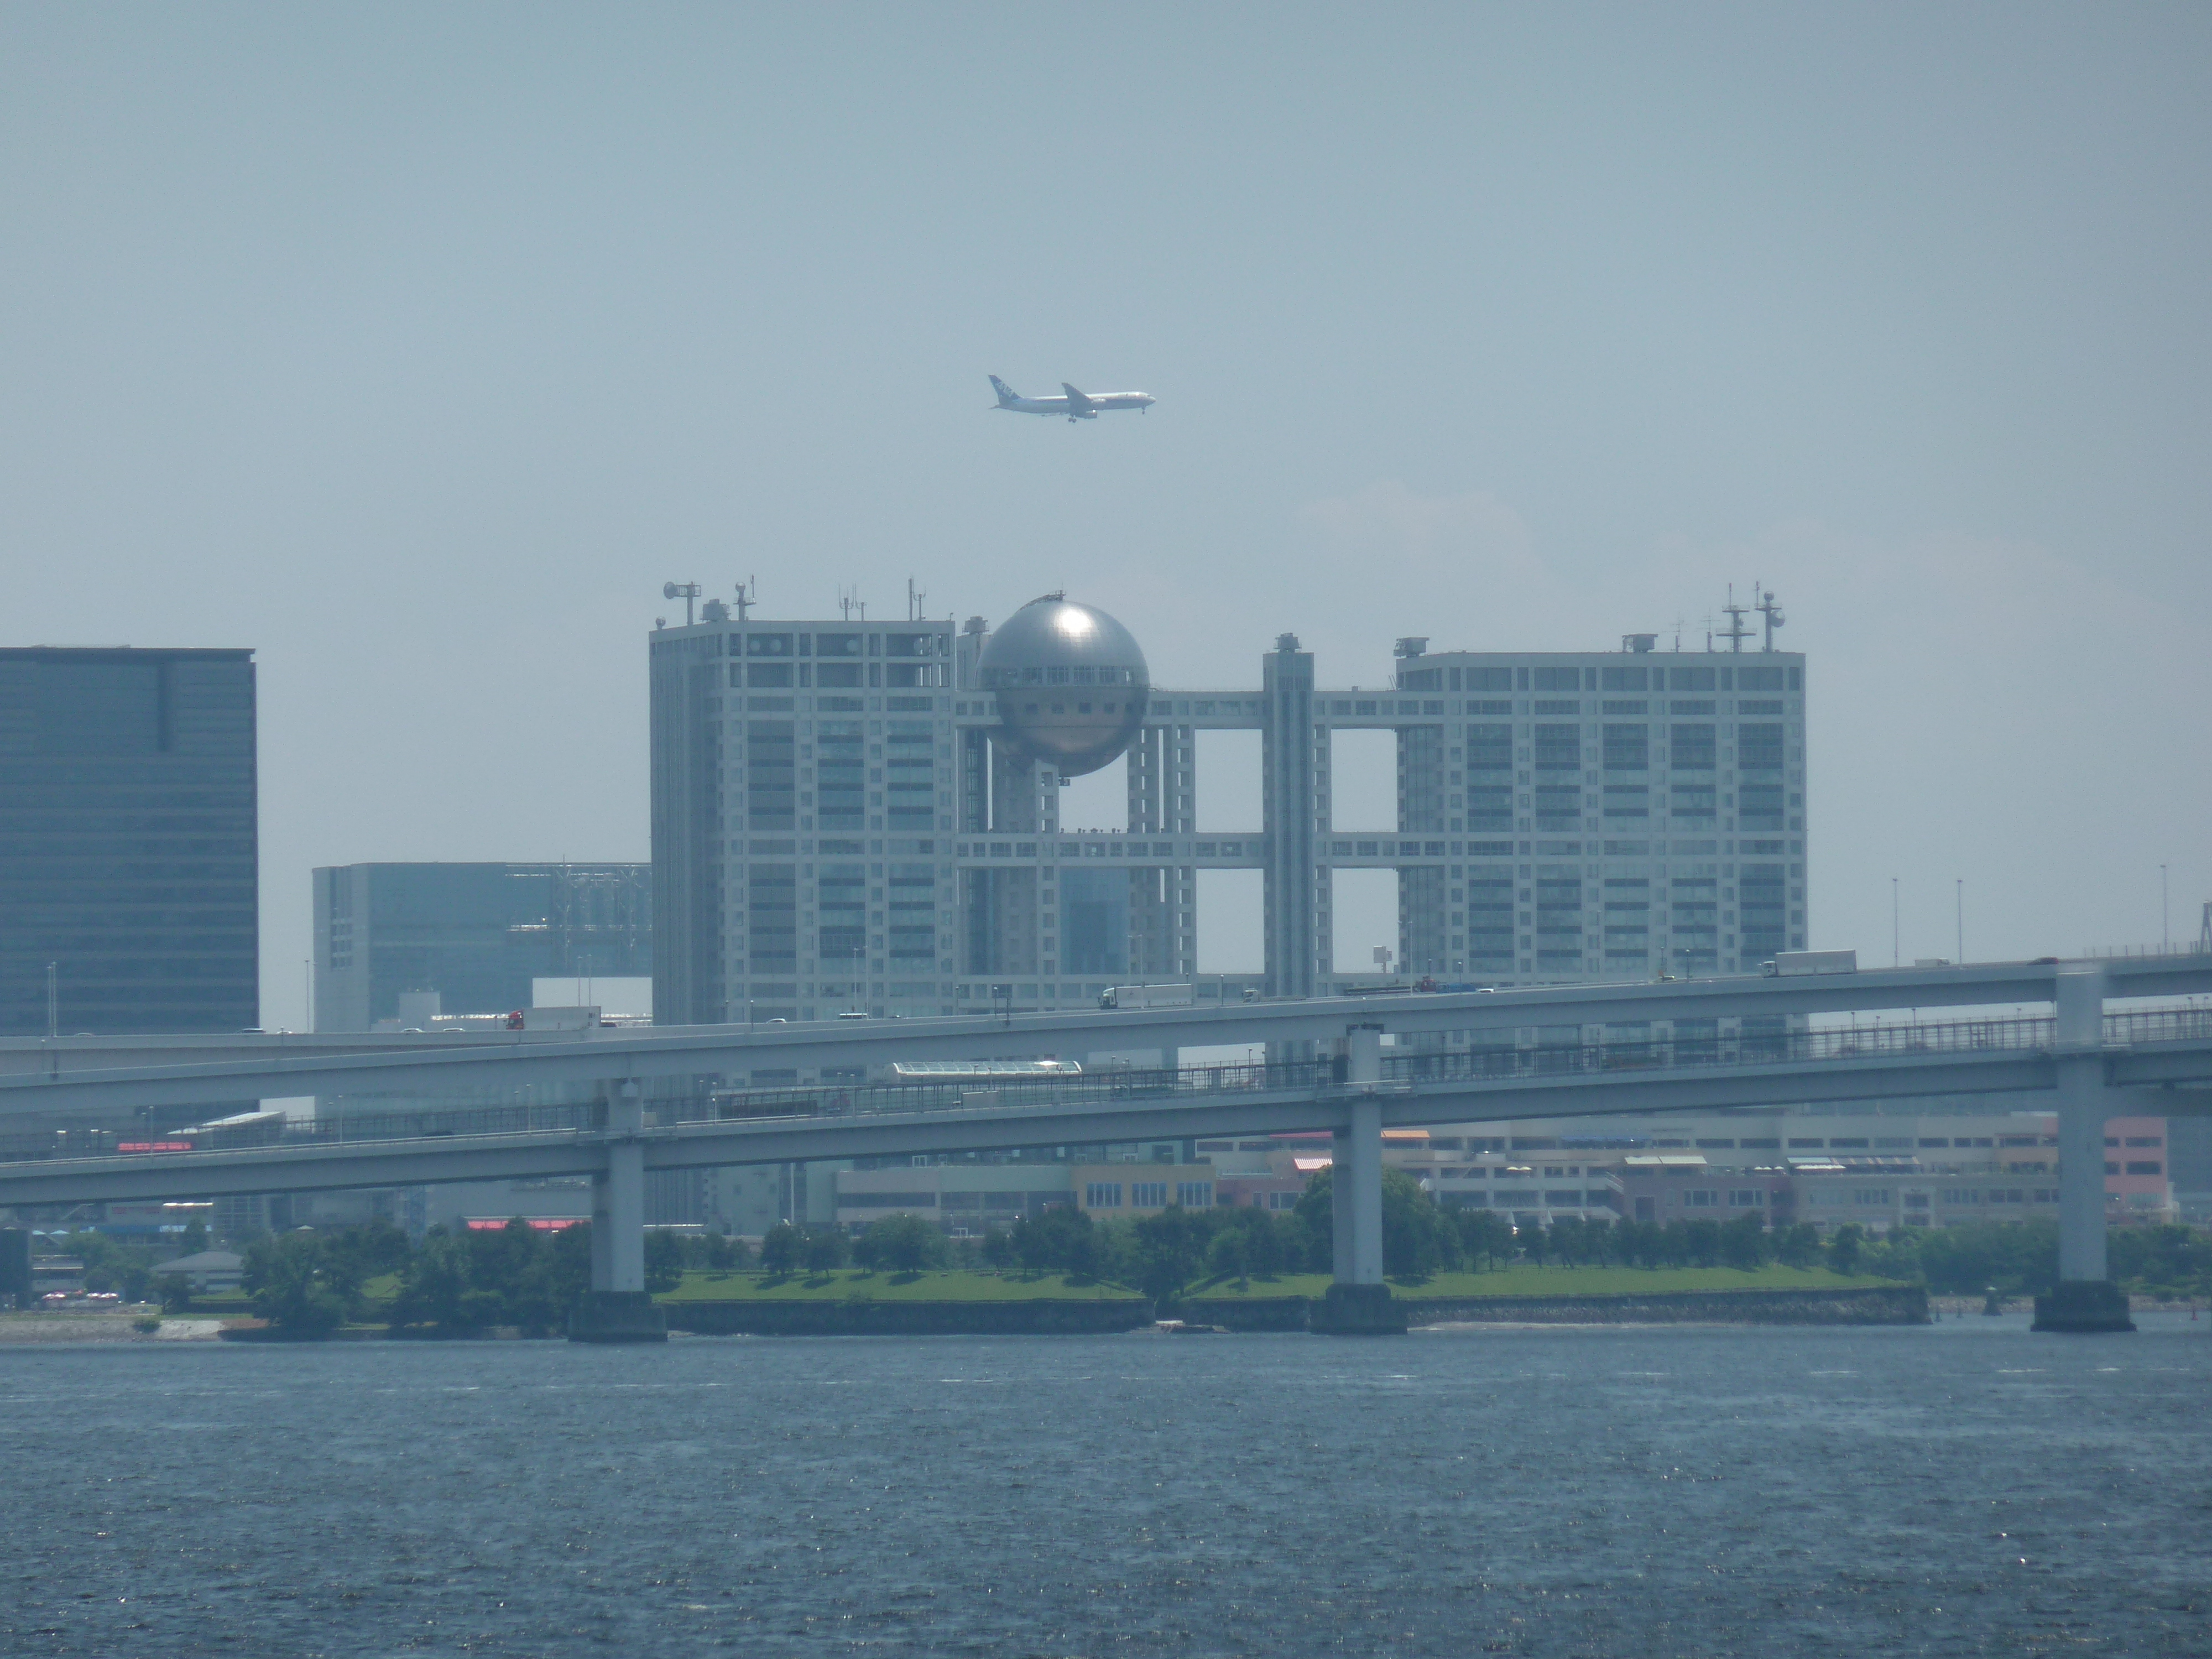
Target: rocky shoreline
(118,1326)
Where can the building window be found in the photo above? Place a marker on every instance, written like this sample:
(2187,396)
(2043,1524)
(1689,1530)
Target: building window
(1101,1195)
(1627,748)
(1559,748)
(1692,747)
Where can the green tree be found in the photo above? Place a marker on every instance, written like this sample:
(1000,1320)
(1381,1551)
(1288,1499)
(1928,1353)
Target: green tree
(125,1267)
(500,1263)
(782,1248)
(1640,1243)
(1797,1245)
(1569,1241)
(437,1287)
(1484,1236)
(2162,1261)
(1259,1242)
(565,1271)
(664,1261)
(289,1278)
(1229,1255)
(999,1248)
(370,1249)
(1418,1238)
(1845,1246)
(902,1243)
(1169,1248)
(2020,1258)
(1059,1239)
(1702,1242)
(479,1278)
(1744,1242)
(825,1247)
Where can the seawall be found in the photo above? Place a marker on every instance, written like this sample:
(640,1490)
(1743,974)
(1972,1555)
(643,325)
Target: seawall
(856,1316)
(1888,1305)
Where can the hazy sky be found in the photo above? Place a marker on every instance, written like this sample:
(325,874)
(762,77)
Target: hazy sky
(416,346)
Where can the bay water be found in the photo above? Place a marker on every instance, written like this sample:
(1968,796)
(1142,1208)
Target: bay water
(1964,1488)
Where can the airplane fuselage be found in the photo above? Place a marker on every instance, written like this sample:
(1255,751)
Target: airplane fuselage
(1074,406)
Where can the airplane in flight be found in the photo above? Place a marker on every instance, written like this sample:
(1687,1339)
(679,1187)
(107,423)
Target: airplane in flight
(1076,406)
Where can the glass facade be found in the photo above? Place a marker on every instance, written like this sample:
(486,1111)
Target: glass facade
(128,850)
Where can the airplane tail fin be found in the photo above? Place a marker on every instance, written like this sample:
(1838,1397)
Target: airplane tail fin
(1007,393)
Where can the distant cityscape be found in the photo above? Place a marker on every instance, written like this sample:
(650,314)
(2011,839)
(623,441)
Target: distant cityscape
(848,819)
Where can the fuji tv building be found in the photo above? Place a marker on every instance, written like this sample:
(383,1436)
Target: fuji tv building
(866,815)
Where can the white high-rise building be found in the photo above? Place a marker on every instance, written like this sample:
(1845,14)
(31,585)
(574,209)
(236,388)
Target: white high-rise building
(845,816)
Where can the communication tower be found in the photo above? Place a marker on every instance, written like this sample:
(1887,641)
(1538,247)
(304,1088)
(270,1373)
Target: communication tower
(1770,608)
(1735,633)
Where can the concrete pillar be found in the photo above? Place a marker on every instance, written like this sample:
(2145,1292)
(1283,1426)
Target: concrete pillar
(1296,939)
(1366,1189)
(2084,1299)
(1363,1054)
(1359,1304)
(603,1235)
(617,1308)
(2080,1168)
(618,1199)
(1361,1177)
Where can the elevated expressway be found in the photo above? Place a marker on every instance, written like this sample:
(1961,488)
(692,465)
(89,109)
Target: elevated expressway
(122,1074)
(2091,1063)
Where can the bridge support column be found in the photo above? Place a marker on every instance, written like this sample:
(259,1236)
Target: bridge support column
(2085,1298)
(617,1308)
(1359,1304)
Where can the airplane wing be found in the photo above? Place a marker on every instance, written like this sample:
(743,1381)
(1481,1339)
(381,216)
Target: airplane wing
(1077,402)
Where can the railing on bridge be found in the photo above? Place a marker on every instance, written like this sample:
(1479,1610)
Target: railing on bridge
(1482,1065)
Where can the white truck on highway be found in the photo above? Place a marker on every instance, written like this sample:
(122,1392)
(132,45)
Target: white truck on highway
(1147,996)
(1788,964)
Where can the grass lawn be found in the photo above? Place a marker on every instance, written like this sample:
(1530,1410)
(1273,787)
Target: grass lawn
(1521,1279)
(852,1282)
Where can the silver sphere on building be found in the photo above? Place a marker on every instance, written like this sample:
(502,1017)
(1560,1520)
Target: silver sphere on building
(1071,683)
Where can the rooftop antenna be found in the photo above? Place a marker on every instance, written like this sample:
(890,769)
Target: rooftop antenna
(1770,608)
(848,601)
(687,592)
(1677,632)
(915,596)
(747,596)
(1735,633)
